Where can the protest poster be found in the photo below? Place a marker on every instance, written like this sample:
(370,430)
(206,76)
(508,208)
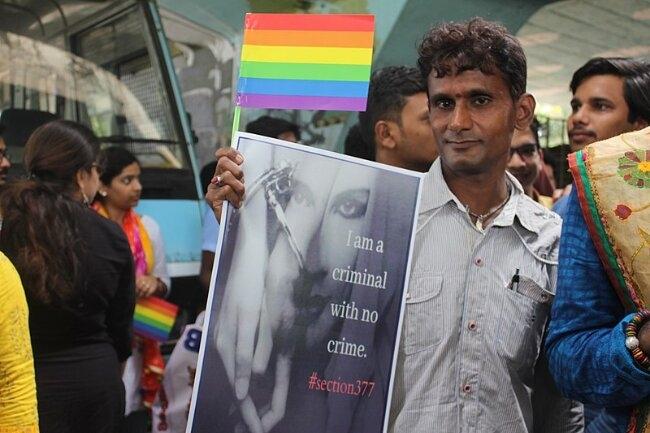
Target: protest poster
(307,293)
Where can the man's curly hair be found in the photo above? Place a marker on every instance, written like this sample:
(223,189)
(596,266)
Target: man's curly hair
(452,48)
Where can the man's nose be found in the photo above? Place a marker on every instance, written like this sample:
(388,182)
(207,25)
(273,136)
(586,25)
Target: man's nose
(460,119)
(579,116)
(516,161)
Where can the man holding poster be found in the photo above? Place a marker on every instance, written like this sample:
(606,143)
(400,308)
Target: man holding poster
(485,258)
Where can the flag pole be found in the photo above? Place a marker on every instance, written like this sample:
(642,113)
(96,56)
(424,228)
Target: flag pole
(235,123)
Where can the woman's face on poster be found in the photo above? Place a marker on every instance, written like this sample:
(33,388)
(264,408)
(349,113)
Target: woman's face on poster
(348,214)
(330,205)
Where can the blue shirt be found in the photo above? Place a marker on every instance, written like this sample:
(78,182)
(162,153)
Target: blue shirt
(586,338)
(560,206)
(210,233)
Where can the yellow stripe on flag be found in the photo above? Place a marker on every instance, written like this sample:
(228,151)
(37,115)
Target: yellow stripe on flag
(327,55)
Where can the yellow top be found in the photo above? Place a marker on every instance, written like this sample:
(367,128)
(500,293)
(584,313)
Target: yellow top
(18,411)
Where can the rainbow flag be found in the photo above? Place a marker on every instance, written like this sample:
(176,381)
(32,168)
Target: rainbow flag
(306,61)
(154,318)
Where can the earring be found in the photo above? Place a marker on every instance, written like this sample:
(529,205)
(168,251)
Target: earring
(103,193)
(86,201)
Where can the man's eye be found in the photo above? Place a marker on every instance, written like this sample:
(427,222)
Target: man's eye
(528,150)
(481,100)
(601,106)
(575,107)
(351,204)
(443,104)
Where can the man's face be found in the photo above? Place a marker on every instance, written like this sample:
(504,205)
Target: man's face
(525,161)
(416,146)
(4,162)
(598,111)
(473,117)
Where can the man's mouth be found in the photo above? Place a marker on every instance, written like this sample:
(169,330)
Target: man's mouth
(582,135)
(462,144)
(520,175)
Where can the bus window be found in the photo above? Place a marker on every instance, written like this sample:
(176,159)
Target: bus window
(120,46)
(103,71)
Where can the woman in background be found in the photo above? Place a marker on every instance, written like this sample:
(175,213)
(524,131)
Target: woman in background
(77,271)
(17,386)
(119,194)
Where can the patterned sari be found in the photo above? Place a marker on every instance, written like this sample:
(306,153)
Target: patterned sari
(143,258)
(612,178)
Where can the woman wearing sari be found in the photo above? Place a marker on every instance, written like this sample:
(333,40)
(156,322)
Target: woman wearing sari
(118,195)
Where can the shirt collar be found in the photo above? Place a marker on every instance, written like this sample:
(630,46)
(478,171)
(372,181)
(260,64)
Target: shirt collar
(436,193)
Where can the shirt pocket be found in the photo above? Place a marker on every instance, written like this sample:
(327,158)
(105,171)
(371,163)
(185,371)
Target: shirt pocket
(424,323)
(523,317)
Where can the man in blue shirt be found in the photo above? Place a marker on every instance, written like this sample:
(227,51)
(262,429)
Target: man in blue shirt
(586,341)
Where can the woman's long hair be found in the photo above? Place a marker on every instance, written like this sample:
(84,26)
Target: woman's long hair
(40,227)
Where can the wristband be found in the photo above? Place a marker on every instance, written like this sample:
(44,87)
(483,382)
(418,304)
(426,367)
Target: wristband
(632,339)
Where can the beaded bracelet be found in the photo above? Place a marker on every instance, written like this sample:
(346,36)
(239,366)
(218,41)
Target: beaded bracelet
(632,340)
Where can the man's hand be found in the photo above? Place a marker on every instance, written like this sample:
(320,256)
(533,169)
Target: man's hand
(228,181)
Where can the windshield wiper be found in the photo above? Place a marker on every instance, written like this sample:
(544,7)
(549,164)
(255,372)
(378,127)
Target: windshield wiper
(128,139)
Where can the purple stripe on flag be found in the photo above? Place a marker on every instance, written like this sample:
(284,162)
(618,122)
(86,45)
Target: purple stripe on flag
(144,330)
(301,102)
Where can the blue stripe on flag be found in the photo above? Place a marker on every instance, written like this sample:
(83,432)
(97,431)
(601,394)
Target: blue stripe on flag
(267,86)
(152,332)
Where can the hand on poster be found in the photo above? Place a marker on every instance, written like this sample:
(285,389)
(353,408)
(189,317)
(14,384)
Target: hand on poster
(243,308)
(239,317)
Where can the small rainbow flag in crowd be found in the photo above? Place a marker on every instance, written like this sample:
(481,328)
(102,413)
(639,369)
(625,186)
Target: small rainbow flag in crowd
(154,318)
(306,61)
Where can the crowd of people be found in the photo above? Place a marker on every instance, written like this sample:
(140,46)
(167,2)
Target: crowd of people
(545,323)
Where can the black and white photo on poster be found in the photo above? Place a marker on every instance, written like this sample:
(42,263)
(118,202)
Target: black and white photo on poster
(306,296)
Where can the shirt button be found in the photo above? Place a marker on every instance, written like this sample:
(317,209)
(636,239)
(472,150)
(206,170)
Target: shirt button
(467,388)
(471,325)
(408,295)
(478,262)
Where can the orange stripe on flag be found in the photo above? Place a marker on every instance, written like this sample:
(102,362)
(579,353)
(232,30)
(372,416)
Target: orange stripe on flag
(304,38)
(160,305)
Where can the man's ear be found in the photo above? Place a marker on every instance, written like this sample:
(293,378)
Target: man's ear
(524,111)
(385,134)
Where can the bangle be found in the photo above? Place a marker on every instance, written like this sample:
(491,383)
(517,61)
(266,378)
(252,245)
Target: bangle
(632,339)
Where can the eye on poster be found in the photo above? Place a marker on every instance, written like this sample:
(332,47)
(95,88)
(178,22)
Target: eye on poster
(307,293)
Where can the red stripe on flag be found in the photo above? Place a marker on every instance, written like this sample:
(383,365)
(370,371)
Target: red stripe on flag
(314,22)
(159,305)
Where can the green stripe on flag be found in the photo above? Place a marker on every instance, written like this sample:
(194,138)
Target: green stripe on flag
(305,71)
(151,322)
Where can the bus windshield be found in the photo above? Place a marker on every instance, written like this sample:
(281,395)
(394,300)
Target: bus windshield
(107,79)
